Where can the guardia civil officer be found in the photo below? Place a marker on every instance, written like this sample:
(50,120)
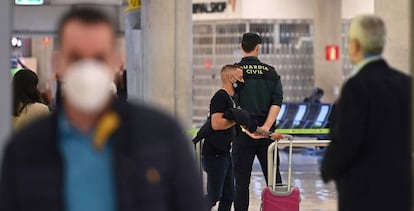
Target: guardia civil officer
(262,97)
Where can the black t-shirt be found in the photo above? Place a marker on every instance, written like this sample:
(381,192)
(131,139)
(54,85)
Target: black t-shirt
(219,142)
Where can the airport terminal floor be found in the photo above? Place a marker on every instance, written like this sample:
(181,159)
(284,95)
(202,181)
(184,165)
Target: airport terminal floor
(315,195)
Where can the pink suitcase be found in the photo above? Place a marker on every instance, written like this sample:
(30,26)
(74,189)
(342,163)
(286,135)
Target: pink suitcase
(280,197)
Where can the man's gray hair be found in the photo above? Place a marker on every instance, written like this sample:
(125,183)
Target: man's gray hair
(369,31)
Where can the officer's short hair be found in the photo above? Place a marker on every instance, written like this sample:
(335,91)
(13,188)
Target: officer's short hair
(369,31)
(250,41)
(86,15)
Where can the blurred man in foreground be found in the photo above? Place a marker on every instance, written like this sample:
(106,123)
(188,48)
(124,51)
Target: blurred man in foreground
(370,154)
(95,154)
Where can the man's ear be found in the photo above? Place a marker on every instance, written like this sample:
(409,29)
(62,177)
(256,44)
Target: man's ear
(257,49)
(357,45)
(114,64)
(117,63)
(229,77)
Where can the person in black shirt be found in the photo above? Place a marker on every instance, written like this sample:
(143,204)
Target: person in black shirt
(216,149)
(262,97)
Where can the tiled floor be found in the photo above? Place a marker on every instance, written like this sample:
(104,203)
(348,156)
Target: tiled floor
(316,196)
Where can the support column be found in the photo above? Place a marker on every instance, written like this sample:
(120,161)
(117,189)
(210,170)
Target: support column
(167,56)
(412,78)
(396,15)
(5,76)
(328,24)
(42,51)
(133,46)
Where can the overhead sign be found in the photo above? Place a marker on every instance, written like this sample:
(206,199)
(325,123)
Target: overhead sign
(133,5)
(332,52)
(213,7)
(29,2)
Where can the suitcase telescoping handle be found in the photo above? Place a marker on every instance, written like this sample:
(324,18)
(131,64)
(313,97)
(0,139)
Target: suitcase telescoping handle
(272,163)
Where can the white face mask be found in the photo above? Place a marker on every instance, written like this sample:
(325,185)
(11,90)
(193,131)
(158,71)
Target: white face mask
(87,85)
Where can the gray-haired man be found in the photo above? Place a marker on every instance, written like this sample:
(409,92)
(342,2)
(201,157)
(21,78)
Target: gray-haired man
(370,154)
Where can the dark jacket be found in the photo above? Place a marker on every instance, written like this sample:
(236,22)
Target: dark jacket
(370,154)
(262,88)
(240,116)
(153,166)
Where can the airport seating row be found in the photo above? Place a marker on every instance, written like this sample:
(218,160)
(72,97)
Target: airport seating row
(301,119)
(303,116)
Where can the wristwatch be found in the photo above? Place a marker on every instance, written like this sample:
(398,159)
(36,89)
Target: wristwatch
(270,134)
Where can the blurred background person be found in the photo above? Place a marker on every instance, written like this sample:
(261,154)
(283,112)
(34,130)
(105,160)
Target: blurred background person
(46,97)
(315,97)
(121,85)
(27,103)
(94,153)
(369,157)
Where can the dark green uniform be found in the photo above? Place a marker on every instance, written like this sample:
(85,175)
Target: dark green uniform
(262,89)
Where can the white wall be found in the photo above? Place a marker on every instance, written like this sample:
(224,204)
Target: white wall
(261,9)
(42,20)
(396,15)
(282,9)
(352,8)
(278,9)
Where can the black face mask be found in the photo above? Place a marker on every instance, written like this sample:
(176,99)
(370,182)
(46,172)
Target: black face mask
(238,86)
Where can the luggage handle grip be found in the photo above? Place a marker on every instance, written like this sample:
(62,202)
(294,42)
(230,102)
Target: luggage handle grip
(272,163)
